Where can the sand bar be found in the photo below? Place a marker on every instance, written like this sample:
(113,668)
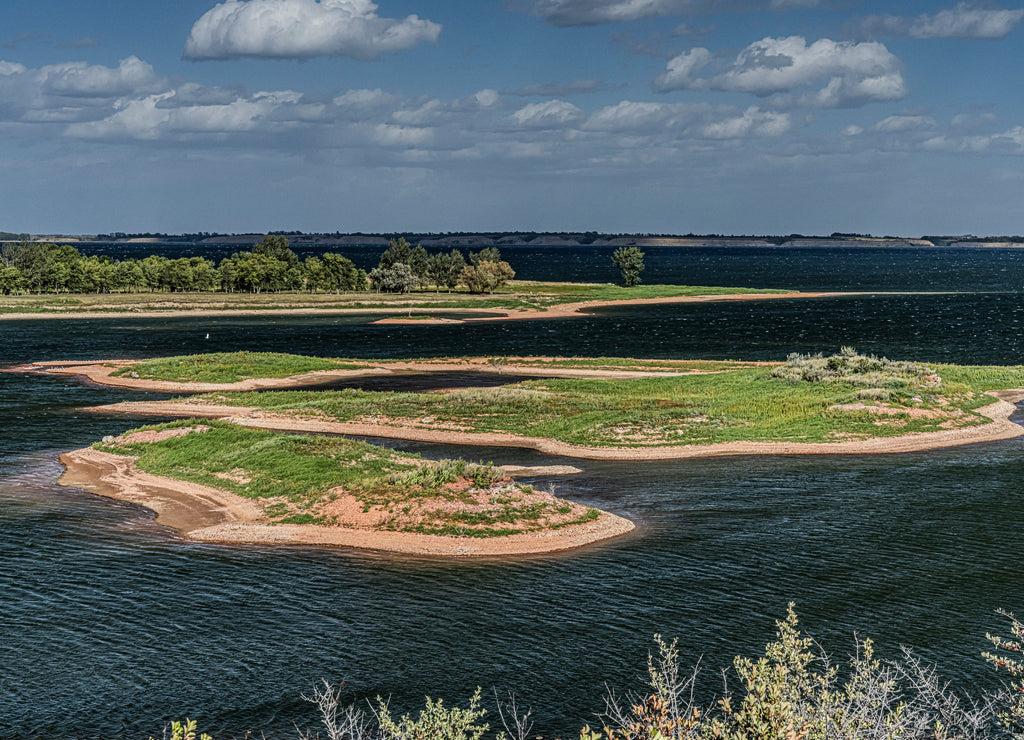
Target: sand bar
(207,514)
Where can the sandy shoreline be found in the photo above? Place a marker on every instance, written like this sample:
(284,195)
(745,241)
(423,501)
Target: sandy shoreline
(563,310)
(207,514)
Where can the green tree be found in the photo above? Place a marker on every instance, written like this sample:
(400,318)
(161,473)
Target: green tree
(340,274)
(11,280)
(129,276)
(630,260)
(399,250)
(399,278)
(486,276)
(445,269)
(487,254)
(276,247)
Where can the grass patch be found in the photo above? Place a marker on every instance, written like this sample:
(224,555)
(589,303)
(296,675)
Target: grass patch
(230,367)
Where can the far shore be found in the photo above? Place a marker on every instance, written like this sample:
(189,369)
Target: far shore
(393,314)
(207,514)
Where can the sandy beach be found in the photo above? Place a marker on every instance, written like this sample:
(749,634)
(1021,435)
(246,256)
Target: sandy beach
(207,514)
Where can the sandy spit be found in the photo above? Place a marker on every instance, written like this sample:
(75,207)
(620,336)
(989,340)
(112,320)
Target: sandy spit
(209,514)
(1000,427)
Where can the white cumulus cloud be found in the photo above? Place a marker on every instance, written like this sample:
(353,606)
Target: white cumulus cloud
(549,114)
(92,80)
(832,73)
(302,29)
(966,21)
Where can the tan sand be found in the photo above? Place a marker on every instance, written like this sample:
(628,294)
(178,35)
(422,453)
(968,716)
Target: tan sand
(1000,427)
(209,514)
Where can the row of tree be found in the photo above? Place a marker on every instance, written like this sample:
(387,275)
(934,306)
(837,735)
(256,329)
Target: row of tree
(271,266)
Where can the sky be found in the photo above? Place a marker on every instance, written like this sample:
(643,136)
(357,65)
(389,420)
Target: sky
(618,116)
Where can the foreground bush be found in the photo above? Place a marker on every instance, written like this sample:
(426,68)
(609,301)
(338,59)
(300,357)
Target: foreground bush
(792,692)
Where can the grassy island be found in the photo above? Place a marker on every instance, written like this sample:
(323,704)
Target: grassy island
(332,481)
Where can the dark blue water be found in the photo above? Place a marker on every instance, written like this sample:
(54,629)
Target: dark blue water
(111,625)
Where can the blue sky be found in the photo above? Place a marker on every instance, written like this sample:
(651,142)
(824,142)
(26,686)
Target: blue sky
(706,116)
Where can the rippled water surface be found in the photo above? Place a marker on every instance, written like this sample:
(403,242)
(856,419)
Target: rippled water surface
(110,625)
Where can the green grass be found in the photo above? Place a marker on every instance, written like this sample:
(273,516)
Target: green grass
(744,404)
(230,367)
(295,478)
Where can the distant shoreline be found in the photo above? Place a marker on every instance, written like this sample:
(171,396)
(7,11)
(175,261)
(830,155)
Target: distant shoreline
(539,239)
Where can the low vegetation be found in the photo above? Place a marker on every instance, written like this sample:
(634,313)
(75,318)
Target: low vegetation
(819,399)
(229,367)
(333,481)
(793,691)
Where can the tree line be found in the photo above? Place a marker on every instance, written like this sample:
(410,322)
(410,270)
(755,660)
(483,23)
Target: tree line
(270,266)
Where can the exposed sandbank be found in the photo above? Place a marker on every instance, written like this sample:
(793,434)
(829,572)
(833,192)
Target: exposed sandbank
(209,514)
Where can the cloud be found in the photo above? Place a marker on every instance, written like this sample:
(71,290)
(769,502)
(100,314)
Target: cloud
(302,29)
(21,38)
(965,21)
(550,114)
(89,80)
(753,122)
(849,74)
(680,72)
(82,43)
(903,123)
(594,12)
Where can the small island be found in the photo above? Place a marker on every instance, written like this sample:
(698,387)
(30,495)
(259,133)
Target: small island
(219,482)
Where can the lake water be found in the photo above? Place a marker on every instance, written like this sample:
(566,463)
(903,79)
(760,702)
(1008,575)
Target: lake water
(111,625)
